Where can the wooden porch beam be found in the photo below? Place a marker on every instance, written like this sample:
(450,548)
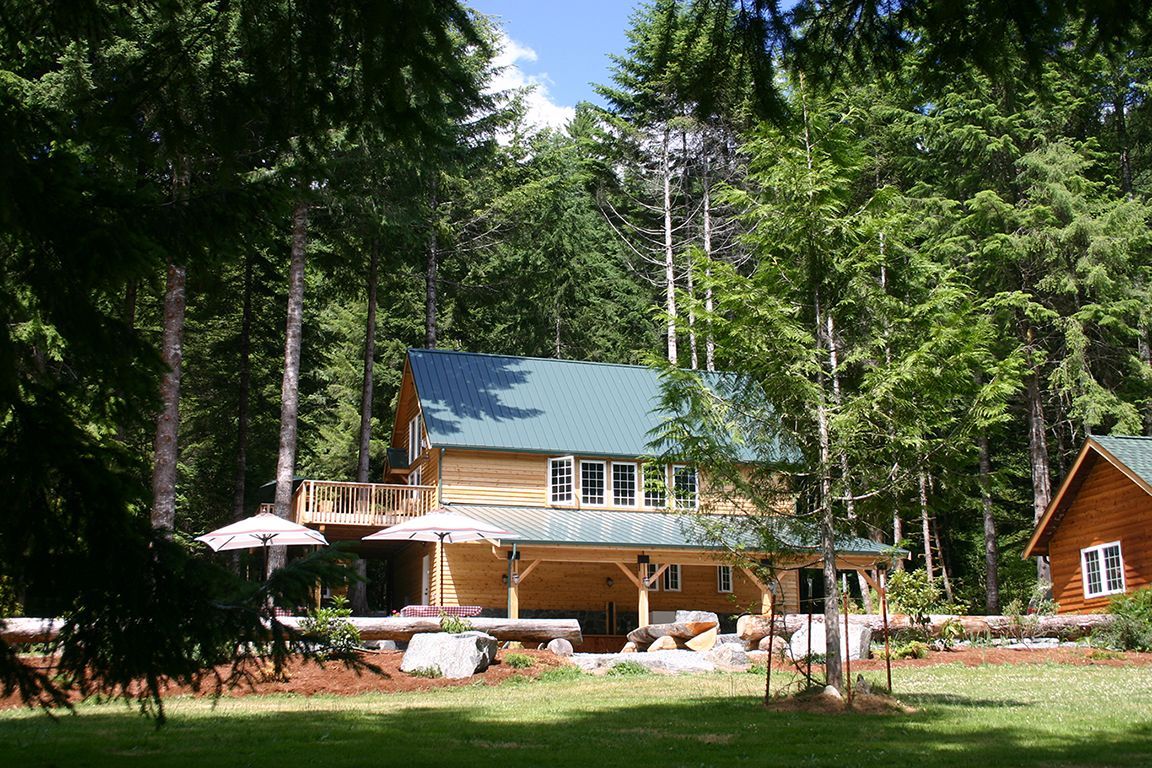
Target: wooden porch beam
(631,576)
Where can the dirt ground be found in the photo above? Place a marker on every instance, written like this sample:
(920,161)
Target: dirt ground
(335,678)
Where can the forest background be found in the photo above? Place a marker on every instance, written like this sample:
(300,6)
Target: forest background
(924,234)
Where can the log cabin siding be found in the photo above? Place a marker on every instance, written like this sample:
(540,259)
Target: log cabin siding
(1108,507)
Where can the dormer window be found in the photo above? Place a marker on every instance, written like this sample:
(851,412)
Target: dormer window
(655,483)
(624,483)
(592,481)
(560,474)
(684,487)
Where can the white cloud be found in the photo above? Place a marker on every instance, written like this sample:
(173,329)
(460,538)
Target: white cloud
(542,111)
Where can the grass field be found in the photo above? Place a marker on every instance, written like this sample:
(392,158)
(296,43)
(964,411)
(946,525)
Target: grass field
(1027,715)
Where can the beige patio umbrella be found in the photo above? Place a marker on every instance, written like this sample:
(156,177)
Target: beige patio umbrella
(445,527)
(262,530)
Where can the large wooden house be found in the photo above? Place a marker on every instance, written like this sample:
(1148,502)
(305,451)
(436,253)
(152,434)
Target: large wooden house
(551,450)
(1097,532)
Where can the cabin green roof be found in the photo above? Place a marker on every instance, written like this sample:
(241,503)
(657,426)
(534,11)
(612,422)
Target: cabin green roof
(1134,452)
(631,530)
(537,405)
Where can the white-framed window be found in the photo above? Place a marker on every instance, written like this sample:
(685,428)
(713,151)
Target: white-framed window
(672,578)
(650,572)
(624,484)
(415,439)
(655,481)
(1103,567)
(592,483)
(723,578)
(684,487)
(560,477)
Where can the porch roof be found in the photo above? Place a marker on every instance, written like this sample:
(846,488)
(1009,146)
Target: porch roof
(631,530)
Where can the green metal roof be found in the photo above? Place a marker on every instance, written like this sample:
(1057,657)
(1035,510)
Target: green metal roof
(625,530)
(498,402)
(1134,452)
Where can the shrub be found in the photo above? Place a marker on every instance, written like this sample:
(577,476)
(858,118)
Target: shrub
(564,674)
(913,649)
(454,625)
(519,660)
(629,669)
(330,627)
(1131,627)
(1026,618)
(432,673)
(913,593)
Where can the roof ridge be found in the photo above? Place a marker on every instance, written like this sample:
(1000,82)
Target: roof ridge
(529,357)
(1120,437)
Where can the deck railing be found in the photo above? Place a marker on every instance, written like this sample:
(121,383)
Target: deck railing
(368,504)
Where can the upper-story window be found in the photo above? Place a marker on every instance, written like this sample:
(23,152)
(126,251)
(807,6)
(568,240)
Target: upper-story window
(684,489)
(655,485)
(560,487)
(592,482)
(624,483)
(415,439)
(1103,570)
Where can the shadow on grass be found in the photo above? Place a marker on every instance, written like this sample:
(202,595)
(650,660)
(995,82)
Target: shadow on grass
(545,728)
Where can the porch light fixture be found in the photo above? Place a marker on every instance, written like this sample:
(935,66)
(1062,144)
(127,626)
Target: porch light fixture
(608,581)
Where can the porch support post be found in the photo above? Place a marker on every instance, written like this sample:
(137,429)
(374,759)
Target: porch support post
(643,615)
(766,596)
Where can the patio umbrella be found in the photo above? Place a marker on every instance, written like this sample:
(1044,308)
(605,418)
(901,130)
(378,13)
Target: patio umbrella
(444,527)
(261,530)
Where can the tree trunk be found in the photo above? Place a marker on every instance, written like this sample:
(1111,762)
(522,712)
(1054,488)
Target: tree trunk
(1038,458)
(290,387)
(1120,115)
(925,528)
(669,262)
(168,421)
(239,484)
(833,664)
(431,276)
(709,340)
(358,590)
(991,550)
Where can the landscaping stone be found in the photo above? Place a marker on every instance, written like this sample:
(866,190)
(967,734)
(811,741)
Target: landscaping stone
(382,645)
(832,693)
(731,639)
(455,656)
(729,657)
(629,647)
(777,645)
(560,647)
(859,639)
(662,644)
(692,616)
(489,648)
(665,662)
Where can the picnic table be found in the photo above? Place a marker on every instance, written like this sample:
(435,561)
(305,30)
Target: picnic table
(434,611)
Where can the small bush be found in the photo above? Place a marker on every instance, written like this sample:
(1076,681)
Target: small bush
(432,673)
(454,625)
(914,594)
(519,660)
(913,649)
(330,627)
(1131,627)
(563,674)
(629,669)
(1026,618)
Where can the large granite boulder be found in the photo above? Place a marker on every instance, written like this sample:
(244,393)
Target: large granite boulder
(729,657)
(693,616)
(854,644)
(453,656)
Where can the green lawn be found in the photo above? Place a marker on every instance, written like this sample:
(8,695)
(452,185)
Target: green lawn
(985,716)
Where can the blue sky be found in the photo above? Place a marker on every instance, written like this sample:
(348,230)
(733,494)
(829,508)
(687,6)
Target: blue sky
(562,46)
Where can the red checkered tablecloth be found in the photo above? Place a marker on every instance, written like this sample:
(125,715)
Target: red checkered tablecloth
(426,611)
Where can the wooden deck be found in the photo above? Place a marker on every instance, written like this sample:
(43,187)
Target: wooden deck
(369,505)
